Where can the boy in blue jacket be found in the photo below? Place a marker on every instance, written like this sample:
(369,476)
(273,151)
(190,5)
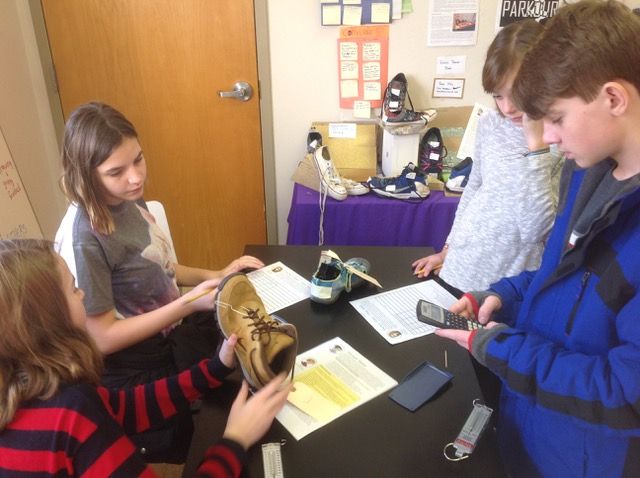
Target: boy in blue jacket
(565,339)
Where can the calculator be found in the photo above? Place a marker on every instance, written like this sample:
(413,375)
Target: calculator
(437,316)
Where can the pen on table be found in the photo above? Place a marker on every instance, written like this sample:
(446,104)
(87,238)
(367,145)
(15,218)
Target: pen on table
(205,292)
(446,361)
(436,268)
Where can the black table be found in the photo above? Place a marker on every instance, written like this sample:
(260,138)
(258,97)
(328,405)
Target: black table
(379,438)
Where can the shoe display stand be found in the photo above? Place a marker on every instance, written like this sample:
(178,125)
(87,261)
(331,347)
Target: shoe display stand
(400,144)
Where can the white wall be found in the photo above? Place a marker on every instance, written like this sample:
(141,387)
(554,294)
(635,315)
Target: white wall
(25,115)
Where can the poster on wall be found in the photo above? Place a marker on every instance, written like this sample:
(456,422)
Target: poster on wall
(17,219)
(362,64)
(452,23)
(511,11)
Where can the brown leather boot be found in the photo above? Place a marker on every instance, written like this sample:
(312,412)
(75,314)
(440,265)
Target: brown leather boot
(267,345)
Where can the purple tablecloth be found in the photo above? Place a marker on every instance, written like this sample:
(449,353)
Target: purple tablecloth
(371,220)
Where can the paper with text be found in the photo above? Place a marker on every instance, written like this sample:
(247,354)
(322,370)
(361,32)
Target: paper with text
(330,380)
(393,313)
(468,143)
(279,286)
(351,15)
(17,219)
(451,65)
(452,23)
(362,109)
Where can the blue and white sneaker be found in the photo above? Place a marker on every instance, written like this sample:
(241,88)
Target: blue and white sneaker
(332,277)
(410,184)
(459,175)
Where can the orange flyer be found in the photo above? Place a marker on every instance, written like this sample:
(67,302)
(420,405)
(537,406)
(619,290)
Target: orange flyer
(363,53)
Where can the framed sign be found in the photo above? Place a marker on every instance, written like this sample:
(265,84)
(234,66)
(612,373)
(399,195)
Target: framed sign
(448,88)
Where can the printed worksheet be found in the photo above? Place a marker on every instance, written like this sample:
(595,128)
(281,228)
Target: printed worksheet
(329,381)
(279,286)
(393,313)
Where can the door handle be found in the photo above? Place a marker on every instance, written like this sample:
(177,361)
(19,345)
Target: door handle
(241,91)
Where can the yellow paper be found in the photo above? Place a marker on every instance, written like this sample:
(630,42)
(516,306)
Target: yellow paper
(372,90)
(351,15)
(371,71)
(380,12)
(312,403)
(331,14)
(362,109)
(371,51)
(349,88)
(348,51)
(349,70)
(321,394)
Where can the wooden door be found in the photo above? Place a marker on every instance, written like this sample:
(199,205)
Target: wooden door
(162,62)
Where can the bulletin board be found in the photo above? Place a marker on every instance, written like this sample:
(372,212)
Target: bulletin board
(17,219)
(362,64)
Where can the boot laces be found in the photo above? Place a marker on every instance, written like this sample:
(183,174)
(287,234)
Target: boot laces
(260,325)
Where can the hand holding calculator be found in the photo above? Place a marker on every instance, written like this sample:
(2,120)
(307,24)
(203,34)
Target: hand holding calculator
(437,316)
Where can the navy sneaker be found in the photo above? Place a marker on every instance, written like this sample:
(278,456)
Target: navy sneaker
(410,184)
(394,109)
(432,153)
(460,175)
(332,277)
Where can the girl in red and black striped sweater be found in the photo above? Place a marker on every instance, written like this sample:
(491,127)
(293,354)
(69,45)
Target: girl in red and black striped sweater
(54,418)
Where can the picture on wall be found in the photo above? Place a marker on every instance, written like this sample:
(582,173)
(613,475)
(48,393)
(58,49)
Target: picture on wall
(511,11)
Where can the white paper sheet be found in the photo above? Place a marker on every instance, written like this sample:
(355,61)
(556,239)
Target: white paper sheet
(451,65)
(468,143)
(279,286)
(393,313)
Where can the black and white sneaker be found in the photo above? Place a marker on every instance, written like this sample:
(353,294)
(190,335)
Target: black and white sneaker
(394,110)
(432,152)
(314,140)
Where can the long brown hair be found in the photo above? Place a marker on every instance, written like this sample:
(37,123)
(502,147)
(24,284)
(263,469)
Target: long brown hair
(584,45)
(40,347)
(92,133)
(506,52)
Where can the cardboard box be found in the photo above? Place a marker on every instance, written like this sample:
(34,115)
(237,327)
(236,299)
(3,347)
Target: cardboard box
(307,174)
(435,184)
(353,147)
